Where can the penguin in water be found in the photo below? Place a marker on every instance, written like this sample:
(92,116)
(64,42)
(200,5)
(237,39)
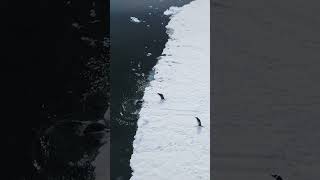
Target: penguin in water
(139,102)
(199,122)
(276,177)
(161,96)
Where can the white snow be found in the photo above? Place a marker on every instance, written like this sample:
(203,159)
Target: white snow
(135,20)
(168,144)
(172,11)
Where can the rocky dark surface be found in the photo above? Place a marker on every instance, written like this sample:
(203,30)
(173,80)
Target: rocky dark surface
(55,87)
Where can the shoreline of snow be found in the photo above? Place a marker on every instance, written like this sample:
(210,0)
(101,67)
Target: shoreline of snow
(168,144)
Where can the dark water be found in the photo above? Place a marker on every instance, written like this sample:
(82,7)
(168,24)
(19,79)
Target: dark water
(266,88)
(131,67)
(56,88)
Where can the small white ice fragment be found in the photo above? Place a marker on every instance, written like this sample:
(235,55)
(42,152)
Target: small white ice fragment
(76,25)
(93,13)
(149,54)
(36,165)
(134,20)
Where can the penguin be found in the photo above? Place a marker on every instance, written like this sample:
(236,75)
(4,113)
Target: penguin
(139,102)
(161,96)
(199,122)
(276,177)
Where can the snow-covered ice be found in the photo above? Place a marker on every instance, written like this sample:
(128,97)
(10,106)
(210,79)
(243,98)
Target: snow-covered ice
(168,144)
(172,11)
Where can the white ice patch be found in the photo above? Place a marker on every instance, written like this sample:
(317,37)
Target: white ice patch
(172,11)
(135,20)
(168,144)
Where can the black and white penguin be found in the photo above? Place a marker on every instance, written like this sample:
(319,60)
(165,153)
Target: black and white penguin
(199,122)
(161,96)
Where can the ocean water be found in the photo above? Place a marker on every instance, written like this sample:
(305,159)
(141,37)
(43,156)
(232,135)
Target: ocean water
(135,48)
(168,143)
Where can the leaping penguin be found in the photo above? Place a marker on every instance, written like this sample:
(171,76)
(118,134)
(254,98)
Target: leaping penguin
(161,96)
(276,177)
(199,122)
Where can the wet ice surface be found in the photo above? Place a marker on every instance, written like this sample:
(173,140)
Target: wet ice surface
(168,144)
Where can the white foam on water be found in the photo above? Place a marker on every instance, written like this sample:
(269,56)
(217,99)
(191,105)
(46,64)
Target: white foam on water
(168,145)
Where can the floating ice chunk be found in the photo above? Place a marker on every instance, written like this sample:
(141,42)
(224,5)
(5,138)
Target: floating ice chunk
(135,20)
(36,165)
(68,3)
(91,42)
(76,25)
(149,54)
(93,13)
(94,21)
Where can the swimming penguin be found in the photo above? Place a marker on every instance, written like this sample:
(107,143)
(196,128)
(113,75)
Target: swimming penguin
(199,122)
(161,96)
(139,102)
(276,177)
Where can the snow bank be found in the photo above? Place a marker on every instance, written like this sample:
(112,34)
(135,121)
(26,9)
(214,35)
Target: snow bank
(168,144)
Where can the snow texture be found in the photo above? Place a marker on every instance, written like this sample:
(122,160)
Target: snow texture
(168,143)
(172,11)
